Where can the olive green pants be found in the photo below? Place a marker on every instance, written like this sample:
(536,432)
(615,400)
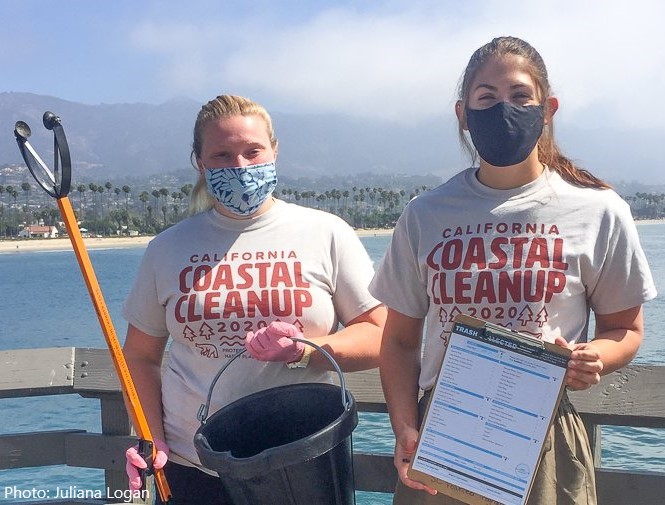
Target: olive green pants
(565,476)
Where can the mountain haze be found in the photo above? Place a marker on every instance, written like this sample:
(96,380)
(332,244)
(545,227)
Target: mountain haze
(108,141)
(117,141)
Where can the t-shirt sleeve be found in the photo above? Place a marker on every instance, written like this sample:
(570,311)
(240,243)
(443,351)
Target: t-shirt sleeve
(354,271)
(623,279)
(142,308)
(399,281)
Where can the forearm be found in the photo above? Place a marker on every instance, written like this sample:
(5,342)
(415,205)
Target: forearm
(618,338)
(400,370)
(616,348)
(356,346)
(144,354)
(147,381)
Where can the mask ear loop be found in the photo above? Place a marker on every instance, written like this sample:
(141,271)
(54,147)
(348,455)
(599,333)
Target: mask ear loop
(194,161)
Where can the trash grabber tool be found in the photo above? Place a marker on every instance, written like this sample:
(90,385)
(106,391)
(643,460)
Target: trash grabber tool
(57,184)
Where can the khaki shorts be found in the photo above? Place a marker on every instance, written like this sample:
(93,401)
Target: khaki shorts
(566,474)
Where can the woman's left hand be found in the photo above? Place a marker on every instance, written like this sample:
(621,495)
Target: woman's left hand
(584,366)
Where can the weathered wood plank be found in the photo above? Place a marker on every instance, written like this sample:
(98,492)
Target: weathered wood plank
(34,449)
(374,472)
(65,447)
(34,372)
(94,371)
(617,487)
(366,389)
(632,396)
(94,450)
(115,421)
(95,376)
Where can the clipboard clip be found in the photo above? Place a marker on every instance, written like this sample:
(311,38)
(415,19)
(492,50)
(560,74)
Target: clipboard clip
(499,334)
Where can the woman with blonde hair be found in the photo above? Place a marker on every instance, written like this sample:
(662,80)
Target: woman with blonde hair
(244,271)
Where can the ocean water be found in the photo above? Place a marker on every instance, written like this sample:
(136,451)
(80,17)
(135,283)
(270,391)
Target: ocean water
(44,303)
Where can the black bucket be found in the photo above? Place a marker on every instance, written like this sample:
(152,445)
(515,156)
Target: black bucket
(289,445)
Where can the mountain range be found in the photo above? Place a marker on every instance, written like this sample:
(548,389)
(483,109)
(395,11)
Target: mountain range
(119,140)
(116,141)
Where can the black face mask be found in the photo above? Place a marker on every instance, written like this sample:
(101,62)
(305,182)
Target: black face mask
(505,134)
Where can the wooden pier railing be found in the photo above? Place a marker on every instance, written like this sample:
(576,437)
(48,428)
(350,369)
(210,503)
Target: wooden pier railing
(634,396)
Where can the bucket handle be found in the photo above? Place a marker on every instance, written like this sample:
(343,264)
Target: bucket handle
(204,408)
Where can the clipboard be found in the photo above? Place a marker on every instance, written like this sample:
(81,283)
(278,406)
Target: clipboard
(489,413)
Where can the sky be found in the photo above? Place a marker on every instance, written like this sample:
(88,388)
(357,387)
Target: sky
(396,59)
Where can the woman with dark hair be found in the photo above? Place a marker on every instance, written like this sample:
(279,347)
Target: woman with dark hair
(524,239)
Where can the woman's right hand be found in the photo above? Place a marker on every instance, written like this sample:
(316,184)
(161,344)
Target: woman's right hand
(135,463)
(405,449)
(274,343)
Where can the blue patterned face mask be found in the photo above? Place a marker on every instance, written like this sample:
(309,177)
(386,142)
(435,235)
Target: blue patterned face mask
(242,190)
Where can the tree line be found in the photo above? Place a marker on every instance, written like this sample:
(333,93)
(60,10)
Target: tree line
(107,209)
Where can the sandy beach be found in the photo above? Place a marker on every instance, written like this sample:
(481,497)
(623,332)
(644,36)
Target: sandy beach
(64,244)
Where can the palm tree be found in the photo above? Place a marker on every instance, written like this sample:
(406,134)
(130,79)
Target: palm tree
(108,186)
(165,209)
(2,210)
(100,190)
(149,216)
(186,190)
(93,189)
(164,193)
(117,192)
(81,189)
(144,197)
(13,193)
(25,187)
(177,197)
(337,195)
(126,190)
(156,194)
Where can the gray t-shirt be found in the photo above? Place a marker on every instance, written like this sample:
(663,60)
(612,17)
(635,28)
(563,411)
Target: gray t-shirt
(209,280)
(533,259)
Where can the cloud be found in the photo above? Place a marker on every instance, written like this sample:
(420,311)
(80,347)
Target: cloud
(185,63)
(403,60)
(367,65)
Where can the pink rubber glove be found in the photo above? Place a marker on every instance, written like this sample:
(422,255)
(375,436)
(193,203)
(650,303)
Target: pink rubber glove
(273,343)
(135,461)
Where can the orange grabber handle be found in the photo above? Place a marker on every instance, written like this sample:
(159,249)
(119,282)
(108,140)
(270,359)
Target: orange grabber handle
(127,384)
